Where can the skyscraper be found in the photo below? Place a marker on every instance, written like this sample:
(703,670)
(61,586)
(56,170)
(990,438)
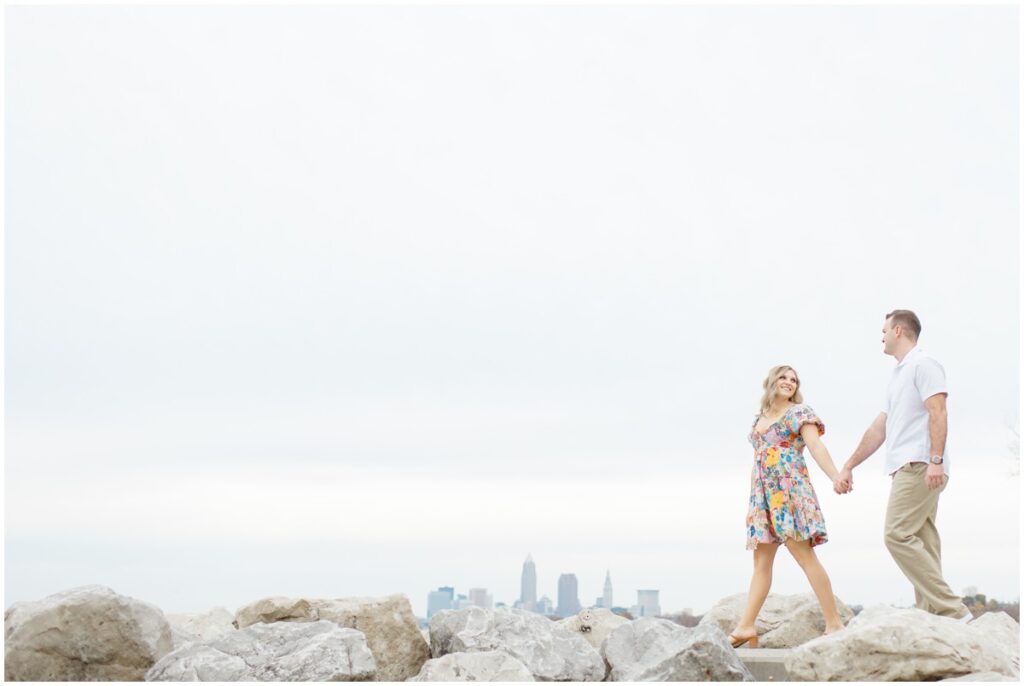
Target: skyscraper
(646,604)
(606,599)
(481,598)
(441,599)
(568,596)
(528,592)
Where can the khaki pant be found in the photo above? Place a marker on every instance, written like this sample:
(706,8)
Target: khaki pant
(913,541)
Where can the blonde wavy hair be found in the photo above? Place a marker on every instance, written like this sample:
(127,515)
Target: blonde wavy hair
(774,374)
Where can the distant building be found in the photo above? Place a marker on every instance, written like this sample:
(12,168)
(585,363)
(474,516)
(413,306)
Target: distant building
(481,598)
(646,604)
(568,596)
(528,585)
(599,602)
(544,606)
(461,602)
(607,598)
(441,599)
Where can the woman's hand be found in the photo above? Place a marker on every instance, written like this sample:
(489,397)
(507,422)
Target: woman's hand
(843,483)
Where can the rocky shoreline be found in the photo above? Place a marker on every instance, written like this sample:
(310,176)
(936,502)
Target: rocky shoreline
(91,633)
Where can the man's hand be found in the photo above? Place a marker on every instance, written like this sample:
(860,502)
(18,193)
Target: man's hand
(843,482)
(934,476)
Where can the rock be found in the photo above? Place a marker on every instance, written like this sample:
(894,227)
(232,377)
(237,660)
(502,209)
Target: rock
(889,644)
(550,652)
(602,623)
(186,628)
(492,665)
(389,625)
(785,621)
(654,649)
(308,651)
(1004,630)
(981,676)
(276,609)
(391,630)
(88,633)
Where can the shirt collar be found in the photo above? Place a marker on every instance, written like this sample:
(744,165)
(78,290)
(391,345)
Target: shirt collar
(912,351)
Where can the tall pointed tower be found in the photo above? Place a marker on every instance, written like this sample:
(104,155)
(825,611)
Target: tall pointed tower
(528,590)
(607,598)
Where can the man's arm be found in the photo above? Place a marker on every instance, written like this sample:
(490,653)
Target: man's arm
(937,427)
(873,438)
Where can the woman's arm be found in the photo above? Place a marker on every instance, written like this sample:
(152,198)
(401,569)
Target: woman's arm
(819,452)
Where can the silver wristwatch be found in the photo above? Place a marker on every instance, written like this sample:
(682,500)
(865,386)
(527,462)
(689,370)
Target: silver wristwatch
(936,459)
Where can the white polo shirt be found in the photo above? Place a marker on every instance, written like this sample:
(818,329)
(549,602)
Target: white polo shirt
(916,378)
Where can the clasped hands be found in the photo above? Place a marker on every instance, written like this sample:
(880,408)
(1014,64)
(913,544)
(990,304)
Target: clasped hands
(843,482)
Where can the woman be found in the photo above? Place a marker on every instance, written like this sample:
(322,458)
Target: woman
(783,507)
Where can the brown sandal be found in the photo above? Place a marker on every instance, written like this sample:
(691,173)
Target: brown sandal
(737,641)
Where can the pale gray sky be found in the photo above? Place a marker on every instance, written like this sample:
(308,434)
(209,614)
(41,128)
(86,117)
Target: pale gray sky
(354,300)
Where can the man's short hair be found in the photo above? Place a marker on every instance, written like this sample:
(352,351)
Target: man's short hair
(906,320)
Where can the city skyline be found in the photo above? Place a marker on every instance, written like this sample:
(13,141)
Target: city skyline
(446,597)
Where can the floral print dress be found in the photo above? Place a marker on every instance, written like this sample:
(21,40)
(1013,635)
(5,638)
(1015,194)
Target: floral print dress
(782,500)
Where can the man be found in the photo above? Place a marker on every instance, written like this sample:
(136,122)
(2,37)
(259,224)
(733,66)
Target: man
(913,426)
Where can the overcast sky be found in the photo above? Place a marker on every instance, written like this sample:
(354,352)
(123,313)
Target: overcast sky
(342,301)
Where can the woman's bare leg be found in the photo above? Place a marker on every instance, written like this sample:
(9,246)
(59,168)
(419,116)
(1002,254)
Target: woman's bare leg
(760,583)
(804,555)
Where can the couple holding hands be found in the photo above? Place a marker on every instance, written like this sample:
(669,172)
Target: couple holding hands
(784,509)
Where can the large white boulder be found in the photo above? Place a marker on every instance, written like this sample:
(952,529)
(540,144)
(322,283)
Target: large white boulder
(308,651)
(602,622)
(654,649)
(388,623)
(89,633)
(186,628)
(888,644)
(549,651)
(492,665)
(1004,631)
(785,621)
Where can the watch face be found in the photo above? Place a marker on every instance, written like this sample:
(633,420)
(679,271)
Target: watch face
(936,459)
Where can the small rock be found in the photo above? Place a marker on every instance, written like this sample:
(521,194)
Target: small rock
(550,652)
(282,651)
(654,649)
(388,623)
(186,628)
(491,665)
(602,622)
